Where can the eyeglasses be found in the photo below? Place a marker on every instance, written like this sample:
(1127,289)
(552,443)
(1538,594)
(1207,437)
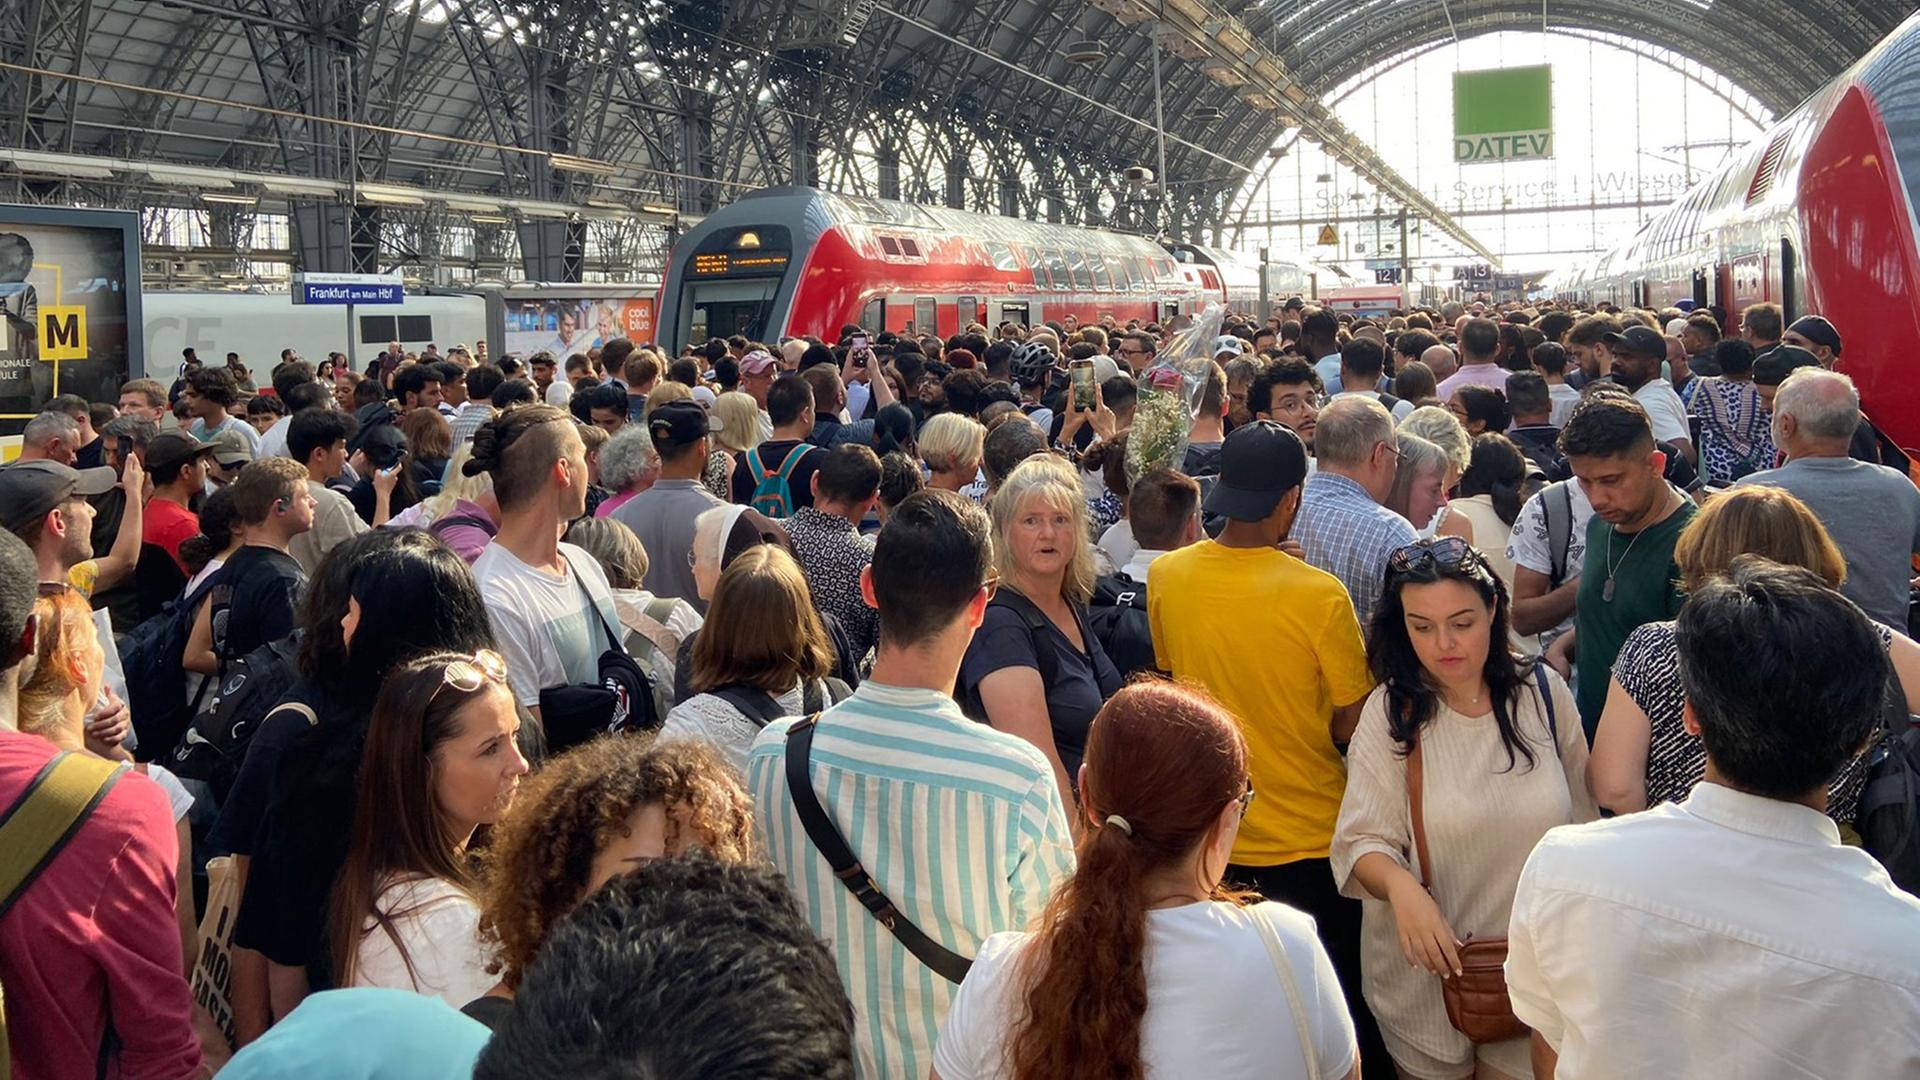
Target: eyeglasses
(692,560)
(469,675)
(1246,798)
(992,584)
(1446,553)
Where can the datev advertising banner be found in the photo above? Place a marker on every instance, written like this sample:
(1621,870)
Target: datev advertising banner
(1505,114)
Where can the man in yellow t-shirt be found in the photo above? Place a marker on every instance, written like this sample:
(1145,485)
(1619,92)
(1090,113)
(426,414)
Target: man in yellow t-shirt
(1275,640)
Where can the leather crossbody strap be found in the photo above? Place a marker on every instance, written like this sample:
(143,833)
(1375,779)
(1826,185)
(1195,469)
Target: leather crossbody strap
(846,866)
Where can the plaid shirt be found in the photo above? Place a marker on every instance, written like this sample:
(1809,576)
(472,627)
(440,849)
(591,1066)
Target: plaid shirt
(1349,535)
(468,419)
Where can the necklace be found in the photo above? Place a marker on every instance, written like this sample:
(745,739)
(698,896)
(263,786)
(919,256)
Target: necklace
(1606,588)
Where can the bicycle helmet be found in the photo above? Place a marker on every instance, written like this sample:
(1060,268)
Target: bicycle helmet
(1030,362)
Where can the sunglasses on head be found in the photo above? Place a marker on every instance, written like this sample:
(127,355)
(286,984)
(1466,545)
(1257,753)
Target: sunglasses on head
(469,674)
(1444,553)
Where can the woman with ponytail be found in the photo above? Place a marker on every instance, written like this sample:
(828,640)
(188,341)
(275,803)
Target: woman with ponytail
(1143,966)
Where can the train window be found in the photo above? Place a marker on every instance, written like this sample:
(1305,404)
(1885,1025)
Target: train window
(1136,274)
(1057,270)
(891,246)
(416,328)
(910,248)
(874,317)
(1077,264)
(376,329)
(1101,279)
(1004,260)
(967,308)
(926,315)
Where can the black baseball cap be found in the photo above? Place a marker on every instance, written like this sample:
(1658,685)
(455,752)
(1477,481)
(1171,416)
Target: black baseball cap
(169,450)
(1259,463)
(678,423)
(1638,340)
(29,489)
(1772,367)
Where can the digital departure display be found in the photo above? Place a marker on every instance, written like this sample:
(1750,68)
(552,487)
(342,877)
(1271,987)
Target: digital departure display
(738,263)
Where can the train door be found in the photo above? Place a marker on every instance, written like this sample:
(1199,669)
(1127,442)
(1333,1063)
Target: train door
(1699,290)
(1789,292)
(1013,311)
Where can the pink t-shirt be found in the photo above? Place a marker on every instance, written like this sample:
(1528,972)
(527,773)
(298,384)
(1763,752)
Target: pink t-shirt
(95,939)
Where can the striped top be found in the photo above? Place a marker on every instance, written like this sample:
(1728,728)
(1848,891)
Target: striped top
(960,825)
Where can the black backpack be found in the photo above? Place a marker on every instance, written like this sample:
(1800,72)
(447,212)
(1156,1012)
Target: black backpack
(619,701)
(1117,614)
(150,657)
(211,750)
(763,708)
(1889,817)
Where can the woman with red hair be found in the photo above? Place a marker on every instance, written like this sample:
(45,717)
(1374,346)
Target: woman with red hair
(1143,965)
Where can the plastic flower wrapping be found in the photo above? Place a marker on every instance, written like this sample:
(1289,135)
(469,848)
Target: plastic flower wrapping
(1170,393)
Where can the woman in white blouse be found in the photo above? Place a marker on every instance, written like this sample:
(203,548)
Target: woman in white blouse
(440,763)
(1141,964)
(1502,757)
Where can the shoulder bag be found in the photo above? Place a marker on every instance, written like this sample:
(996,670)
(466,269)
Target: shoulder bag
(949,965)
(1284,969)
(620,701)
(1476,999)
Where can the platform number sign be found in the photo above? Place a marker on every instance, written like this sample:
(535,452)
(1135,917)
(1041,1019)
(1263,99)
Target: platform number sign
(1503,114)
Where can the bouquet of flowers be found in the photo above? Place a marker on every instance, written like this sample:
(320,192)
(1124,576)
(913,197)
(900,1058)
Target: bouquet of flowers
(1170,393)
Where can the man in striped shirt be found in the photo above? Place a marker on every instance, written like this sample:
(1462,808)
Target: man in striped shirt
(960,826)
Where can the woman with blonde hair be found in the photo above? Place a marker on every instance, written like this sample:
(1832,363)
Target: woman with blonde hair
(762,654)
(1035,668)
(430,442)
(739,417)
(1642,754)
(463,513)
(1444,430)
(590,815)
(952,446)
(664,391)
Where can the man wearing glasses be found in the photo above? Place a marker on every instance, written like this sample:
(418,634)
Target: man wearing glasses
(1135,350)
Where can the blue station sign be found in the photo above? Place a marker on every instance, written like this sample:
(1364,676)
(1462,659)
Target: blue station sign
(349,289)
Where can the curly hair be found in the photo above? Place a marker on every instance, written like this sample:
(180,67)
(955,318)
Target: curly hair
(542,853)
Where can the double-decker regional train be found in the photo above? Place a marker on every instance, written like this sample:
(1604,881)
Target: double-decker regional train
(798,261)
(1818,216)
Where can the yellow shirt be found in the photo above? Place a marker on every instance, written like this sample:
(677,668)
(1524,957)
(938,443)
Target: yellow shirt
(1276,641)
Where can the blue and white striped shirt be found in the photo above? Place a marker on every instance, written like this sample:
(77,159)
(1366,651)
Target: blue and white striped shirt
(961,827)
(1347,534)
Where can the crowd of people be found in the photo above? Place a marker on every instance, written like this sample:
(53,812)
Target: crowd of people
(1484,691)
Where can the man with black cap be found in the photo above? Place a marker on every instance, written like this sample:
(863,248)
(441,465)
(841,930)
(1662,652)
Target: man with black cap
(662,516)
(1290,663)
(46,504)
(1821,340)
(178,464)
(1638,352)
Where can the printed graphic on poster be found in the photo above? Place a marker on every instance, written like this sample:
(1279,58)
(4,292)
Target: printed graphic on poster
(64,307)
(565,326)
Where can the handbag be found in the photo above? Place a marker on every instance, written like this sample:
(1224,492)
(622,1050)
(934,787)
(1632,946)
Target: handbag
(1477,1002)
(621,701)
(1284,968)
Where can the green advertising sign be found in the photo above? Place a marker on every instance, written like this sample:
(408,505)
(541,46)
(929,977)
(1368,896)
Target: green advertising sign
(1505,114)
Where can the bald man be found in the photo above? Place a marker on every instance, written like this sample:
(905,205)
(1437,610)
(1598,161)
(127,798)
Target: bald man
(1441,360)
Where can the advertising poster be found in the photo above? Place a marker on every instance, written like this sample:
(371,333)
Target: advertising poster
(566,326)
(64,279)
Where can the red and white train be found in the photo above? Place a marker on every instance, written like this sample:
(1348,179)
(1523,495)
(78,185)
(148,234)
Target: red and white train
(1818,216)
(799,261)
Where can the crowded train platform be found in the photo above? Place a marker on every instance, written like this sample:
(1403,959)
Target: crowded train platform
(890,637)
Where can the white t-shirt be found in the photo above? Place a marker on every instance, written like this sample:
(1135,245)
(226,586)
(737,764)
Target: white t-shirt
(1665,411)
(273,442)
(440,926)
(545,632)
(1530,545)
(1215,1004)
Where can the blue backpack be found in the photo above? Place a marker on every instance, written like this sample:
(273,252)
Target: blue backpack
(772,489)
